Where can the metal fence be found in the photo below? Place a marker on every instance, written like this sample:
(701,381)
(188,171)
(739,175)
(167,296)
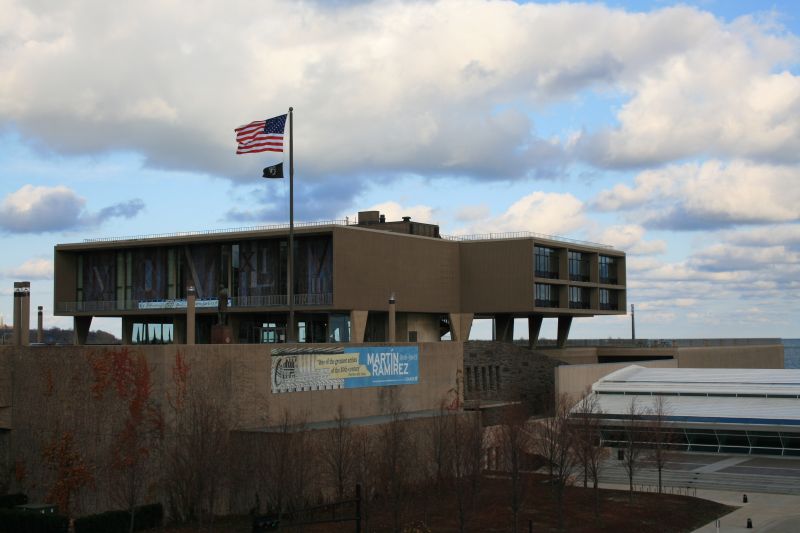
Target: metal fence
(521,235)
(277,300)
(246,229)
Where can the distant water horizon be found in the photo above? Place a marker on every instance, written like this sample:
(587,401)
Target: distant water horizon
(791,353)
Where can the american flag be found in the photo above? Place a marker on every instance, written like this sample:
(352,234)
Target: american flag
(261,136)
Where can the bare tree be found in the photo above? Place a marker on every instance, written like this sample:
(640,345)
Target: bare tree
(365,464)
(287,468)
(466,453)
(395,458)
(440,445)
(554,442)
(128,374)
(196,453)
(634,442)
(660,434)
(515,443)
(589,452)
(437,452)
(338,455)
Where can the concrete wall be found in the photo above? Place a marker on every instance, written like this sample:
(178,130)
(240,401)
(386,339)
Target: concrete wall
(574,380)
(426,326)
(54,392)
(497,276)
(571,356)
(5,387)
(369,265)
(582,371)
(241,372)
(765,356)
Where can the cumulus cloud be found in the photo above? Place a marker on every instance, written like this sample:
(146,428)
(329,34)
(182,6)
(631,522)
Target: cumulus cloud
(39,209)
(472,213)
(729,258)
(408,87)
(723,280)
(46,209)
(630,238)
(539,212)
(769,235)
(395,211)
(728,93)
(708,195)
(32,269)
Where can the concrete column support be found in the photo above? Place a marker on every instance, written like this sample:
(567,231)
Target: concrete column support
(564,323)
(534,327)
(81,325)
(460,326)
(179,329)
(40,325)
(358,325)
(127,330)
(504,325)
(22,313)
(191,296)
(233,324)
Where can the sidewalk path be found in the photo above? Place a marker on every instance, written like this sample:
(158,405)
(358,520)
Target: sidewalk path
(770,513)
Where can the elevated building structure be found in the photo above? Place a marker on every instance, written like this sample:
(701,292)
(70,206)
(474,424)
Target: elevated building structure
(344,276)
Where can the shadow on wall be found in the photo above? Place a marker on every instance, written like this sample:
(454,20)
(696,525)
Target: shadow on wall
(499,371)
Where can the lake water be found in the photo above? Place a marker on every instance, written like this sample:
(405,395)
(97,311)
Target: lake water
(791,353)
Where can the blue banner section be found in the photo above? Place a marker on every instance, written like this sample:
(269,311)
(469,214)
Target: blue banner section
(387,365)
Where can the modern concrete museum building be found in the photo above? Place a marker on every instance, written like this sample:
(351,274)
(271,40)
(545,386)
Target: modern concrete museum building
(344,276)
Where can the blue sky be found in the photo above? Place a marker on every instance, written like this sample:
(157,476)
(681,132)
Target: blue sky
(671,131)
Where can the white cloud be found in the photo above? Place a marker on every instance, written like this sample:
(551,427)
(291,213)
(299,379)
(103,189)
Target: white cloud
(539,212)
(725,94)
(42,209)
(35,209)
(712,194)
(394,211)
(472,213)
(787,235)
(629,238)
(408,86)
(31,269)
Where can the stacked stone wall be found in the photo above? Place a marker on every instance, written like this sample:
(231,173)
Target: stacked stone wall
(499,371)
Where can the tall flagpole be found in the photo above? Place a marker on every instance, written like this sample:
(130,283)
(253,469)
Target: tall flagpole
(290,337)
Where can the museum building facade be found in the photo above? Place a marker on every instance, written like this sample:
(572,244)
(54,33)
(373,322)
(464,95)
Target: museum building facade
(345,274)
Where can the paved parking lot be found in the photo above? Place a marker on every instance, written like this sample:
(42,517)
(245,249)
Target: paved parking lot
(776,475)
(772,486)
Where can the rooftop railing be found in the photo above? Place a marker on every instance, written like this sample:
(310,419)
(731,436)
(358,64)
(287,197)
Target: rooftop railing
(346,222)
(268,227)
(522,235)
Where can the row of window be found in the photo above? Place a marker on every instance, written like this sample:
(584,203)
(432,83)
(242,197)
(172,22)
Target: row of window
(546,295)
(709,440)
(483,378)
(249,270)
(578,265)
(703,394)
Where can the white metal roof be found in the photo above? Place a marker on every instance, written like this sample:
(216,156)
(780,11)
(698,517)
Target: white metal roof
(702,380)
(705,395)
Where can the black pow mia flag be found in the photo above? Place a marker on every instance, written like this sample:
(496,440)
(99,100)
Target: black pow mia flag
(275,171)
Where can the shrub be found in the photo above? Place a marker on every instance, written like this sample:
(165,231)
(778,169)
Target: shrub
(146,517)
(16,521)
(9,501)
